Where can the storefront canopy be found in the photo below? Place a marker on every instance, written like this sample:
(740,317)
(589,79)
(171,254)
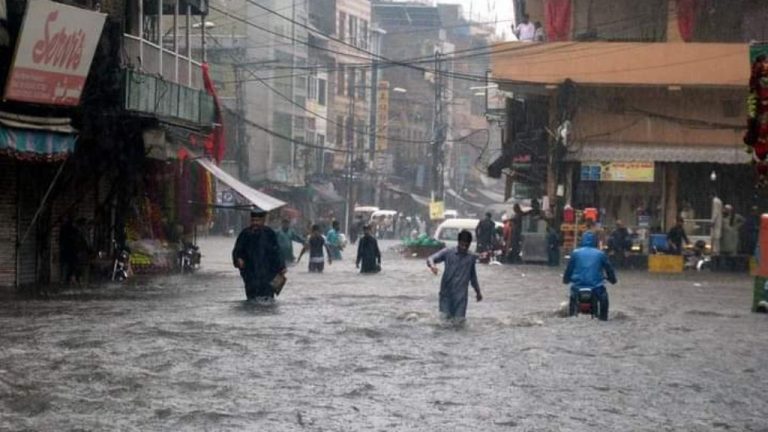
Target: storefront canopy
(622,63)
(258,199)
(325,193)
(612,152)
(36,138)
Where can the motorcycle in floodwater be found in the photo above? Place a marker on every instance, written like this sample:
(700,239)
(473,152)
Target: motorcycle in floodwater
(585,301)
(188,258)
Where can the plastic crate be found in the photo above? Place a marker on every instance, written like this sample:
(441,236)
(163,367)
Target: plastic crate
(665,263)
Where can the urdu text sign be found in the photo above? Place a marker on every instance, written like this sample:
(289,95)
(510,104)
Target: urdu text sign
(54,53)
(618,171)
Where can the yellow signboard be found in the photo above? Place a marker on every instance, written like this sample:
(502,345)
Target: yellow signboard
(617,171)
(436,210)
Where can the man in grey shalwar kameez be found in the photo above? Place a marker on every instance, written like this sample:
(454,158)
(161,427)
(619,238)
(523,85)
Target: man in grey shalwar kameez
(459,273)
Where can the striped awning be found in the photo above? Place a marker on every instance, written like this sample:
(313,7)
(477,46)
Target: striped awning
(36,145)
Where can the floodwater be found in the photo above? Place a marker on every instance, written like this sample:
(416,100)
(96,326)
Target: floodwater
(346,352)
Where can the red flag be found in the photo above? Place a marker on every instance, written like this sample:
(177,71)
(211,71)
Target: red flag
(214,143)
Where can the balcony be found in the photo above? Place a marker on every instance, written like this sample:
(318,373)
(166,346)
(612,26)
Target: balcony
(154,96)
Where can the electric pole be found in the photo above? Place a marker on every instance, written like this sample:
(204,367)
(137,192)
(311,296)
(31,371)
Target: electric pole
(438,131)
(350,130)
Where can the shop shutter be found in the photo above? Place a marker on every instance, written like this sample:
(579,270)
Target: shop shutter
(8,223)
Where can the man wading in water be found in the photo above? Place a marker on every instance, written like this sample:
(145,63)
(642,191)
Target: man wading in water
(459,273)
(258,257)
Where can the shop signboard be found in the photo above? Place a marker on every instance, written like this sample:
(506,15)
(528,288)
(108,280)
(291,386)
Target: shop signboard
(617,171)
(54,53)
(436,210)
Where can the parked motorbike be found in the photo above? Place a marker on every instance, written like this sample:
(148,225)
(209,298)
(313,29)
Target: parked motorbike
(188,258)
(121,263)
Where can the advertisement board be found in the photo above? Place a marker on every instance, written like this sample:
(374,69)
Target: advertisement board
(53,53)
(436,210)
(617,171)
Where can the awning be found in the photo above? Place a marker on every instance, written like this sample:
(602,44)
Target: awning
(612,152)
(34,145)
(424,201)
(258,199)
(622,63)
(326,193)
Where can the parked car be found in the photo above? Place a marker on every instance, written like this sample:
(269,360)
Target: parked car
(448,231)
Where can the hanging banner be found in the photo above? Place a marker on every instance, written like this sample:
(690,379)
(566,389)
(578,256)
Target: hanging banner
(382,117)
(54,53)
(617,171)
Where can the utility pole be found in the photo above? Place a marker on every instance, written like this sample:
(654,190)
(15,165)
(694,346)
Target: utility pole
(438,131)
(350,130)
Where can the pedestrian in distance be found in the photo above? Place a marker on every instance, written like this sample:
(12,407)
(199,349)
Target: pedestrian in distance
(675,238)
(485,232)
(460,272)
(285,238)
(333,237)
(368,253)
(257,256)
(315,245)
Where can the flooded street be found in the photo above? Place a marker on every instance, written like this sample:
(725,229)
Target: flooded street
(345,352)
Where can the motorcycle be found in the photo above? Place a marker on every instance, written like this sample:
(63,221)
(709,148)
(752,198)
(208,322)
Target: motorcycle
(585,302)
(188,258)
(121,263)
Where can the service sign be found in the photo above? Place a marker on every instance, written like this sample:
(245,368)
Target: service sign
(641,172)
(54,53)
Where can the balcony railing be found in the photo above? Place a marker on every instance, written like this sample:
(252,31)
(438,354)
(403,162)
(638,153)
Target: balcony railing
(153,95)
(172,66)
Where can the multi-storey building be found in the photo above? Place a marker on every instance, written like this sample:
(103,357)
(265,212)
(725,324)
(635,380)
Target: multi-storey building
(638,106)
(93,143)
(413,37)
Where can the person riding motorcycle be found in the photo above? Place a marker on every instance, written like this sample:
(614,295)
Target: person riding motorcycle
(588,268)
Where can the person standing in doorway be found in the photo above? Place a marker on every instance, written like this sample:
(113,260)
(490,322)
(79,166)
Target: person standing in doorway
(368,253)
(460,272)
(257,256)
(525,31)
(315,244)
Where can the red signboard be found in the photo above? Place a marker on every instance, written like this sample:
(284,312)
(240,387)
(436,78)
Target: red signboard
(54,53)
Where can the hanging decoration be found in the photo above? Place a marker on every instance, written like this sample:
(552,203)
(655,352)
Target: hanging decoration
(557,20)
(756,137)
(686,18)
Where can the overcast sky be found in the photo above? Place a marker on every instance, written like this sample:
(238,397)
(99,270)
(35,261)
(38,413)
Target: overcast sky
(488,10)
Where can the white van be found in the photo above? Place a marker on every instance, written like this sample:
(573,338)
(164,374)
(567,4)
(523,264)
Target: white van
(448,231)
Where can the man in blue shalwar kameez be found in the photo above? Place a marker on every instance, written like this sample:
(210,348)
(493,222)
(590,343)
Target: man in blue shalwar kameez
(459,273)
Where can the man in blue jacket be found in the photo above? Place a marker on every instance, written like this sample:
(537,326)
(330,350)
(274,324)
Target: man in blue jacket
(586,270)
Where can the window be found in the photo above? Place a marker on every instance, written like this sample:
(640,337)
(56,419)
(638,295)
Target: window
(311,125)
(342,24)
(321,91)
(360,135)
(353,30)
(363,88)
(364,34)
(321,140)
(351,84)
(339,131)
(312,87)
(340,72)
